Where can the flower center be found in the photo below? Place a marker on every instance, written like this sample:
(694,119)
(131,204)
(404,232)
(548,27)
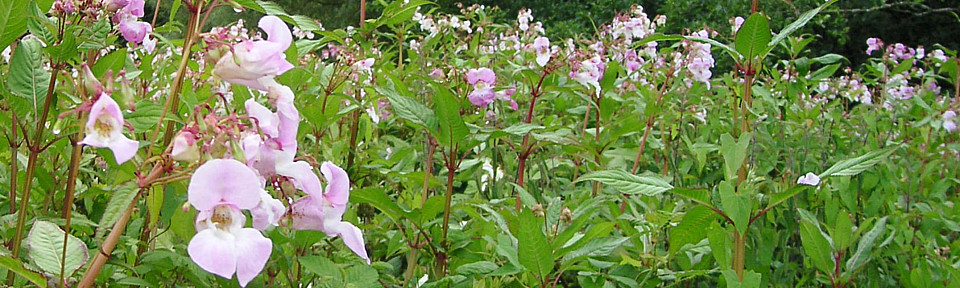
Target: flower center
(104,126)
(222,217)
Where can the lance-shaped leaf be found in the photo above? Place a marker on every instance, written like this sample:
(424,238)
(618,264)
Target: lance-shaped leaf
(753,36)
(853,166)
(816,244)
(628,183)
(535,252)
(17,267)
(799,23)
(27,77)
(452,128)
(45,245)
(13,21)
(859,258)
(409,109)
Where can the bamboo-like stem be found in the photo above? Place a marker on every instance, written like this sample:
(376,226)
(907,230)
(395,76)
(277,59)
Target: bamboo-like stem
(739,252)
(111,242)
(428,169)
(35,149)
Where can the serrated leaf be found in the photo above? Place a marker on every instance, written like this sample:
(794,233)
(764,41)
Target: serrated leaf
(123,195)
(17,267)
(534,251)
(477,268)
(379,199)
(862,255)
(690,230)
(750,279)
(13,21)
(816,246)
(752,38)
(842,231)
(778,198)
(852,167)
(27,78)
(398,12)
(521,129)
(628,183)
(112,62)
(45,245)
(409,109)
(452,128)
(322,267)
(361,276)
(700,196)
(596,247)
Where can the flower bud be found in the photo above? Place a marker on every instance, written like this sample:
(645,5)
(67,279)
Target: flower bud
(185,147)
(127,94)
(90,81)
(112,6)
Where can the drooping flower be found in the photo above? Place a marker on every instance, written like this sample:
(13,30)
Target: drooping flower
(482,80)
(324,212)
(589,72)
(948,122)
(248,61)
(104,127)
(874,44)
(185,147)
(809,179)
(219,190)
(542,46)
(132,30)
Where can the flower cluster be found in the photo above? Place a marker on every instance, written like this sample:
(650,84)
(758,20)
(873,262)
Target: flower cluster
(263,155)
(699,60)
(105,122)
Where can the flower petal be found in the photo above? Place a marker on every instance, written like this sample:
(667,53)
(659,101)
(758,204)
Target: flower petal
(266,119)
(338,184)
(215,251)
(352,236)
(255,252)
(123,148)
(307,214)
(268,212)
(302,175)
(224,181)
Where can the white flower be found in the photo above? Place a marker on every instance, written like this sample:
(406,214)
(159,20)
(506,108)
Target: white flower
(809,179)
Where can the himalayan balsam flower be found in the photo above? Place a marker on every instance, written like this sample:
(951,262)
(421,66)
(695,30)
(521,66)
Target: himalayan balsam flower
(874,44)
(248,61)
(948,123)
(589,72)
(324,211)
(185,147)
(219,189)
(482,80)
(542,46)
(809,179)
(104,127)
(737,22)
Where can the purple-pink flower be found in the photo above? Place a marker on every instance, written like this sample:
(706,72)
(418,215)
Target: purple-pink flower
(104,127)
(482,80)
(874,44)
(324,211)
(219,190)
(249,61)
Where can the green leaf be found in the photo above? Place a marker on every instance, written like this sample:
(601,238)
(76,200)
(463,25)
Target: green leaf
(27,77)
(700,196)
(778,198)
(452,127)
(14,265)
(112,62)
(816,246)
(521,129)
(596,247)
(122,196)
(398,12)
(477,268)
(736,206)
(322,267)
(842,231)
(752,38)
(690,230)
(534,251)
(377,198)
(13,21)
(862,255)
(361,276)
(750,279)
(799,23)
(719,244)
(824,72)
(409,109)
(45,245)
(852,167)
(733,153)
(628,183)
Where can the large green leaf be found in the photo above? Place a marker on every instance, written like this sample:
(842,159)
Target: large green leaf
(122,196)
(27,77)
(733,152)
(409,109)
(596,247)
(853,166)
(398,12)
(14,265)
(862,255)
(534,251)
(45,245)
(816,245)
(452,128)
(628,183)
(13,21)
(753,36)
(737,206)
(700,196)
(799,23)
(750,279)
(690,230)
(380,200)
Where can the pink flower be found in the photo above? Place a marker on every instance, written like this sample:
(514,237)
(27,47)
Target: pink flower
(737,22)
(542,46)
(114,5)
(219,189)
(104,127)
(482,94)
(249,61)
(589,72)
(149,44)
(134,7)
(324,212)
(948,123)
(481,75)
(809,179)
(132,30)
(874,44)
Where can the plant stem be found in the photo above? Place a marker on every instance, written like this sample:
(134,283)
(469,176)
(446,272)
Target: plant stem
(12,194)
(76,153)
(104,252)
(525,148)
(739,250)
(428,169)
(452,166)
(35,148)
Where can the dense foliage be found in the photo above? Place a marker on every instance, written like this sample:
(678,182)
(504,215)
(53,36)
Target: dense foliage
(433,149)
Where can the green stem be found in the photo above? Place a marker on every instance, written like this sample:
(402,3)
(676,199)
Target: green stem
(77,152)
(739,252)
(35,148)
(452,166)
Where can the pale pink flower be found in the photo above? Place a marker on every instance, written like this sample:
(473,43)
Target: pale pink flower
(185,147)
(324,211)
(542,46)
(809,179)
(133,31)
(219,189)
(248,61)
(104,127)
(874,44)
(948,123)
